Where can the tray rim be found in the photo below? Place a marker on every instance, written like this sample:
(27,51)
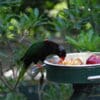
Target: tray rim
(46,62)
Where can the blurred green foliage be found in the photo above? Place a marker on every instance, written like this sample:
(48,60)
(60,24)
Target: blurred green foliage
(85,41)
(22,22)
(79,25)
(6,94)
(58,92)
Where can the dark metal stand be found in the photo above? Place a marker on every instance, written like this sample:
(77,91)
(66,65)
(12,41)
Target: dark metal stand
(86,92)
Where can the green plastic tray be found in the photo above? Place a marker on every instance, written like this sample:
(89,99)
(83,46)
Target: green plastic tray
(73,74)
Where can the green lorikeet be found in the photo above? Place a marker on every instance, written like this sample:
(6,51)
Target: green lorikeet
(38,52)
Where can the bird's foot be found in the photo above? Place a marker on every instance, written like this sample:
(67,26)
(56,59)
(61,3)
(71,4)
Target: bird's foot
(39,65)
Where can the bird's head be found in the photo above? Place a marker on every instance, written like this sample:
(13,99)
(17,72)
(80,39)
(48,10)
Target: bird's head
(61,51)
(55,48)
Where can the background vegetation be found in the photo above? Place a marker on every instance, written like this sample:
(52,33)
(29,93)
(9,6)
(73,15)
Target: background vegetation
(72,23)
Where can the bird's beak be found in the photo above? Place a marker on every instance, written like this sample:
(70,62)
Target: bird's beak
(62,58)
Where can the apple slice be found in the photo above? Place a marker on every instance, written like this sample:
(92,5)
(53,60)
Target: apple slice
(93,59)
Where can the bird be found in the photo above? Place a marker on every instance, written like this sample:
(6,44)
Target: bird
(38,51)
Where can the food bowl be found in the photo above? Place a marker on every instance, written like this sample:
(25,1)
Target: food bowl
(74,73)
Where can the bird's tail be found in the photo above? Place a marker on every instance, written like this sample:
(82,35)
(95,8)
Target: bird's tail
(20,76)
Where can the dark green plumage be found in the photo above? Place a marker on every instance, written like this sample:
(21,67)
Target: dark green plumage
(38,52)
(32,53)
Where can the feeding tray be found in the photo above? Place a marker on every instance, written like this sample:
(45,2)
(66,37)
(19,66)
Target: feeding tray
(74,73)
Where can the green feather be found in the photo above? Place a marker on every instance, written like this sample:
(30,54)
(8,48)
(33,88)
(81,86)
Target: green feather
(38,52)
(33,50)
(21,74)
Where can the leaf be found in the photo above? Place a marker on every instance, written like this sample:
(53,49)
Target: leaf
(3,55)
(15,96)
(36,12)
(72,41)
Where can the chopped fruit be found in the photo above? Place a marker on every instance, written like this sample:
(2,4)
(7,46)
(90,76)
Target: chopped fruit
(77,61)
(94,59)
(71,61)
(60,61)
